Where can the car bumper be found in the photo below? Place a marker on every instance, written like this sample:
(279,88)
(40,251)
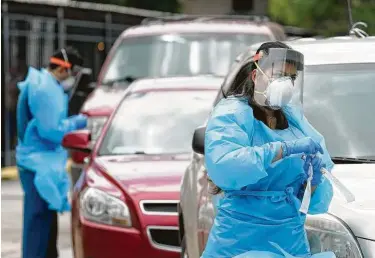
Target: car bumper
(99,241)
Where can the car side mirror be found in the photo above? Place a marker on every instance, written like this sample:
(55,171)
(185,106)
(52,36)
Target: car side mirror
(198,140)
(78,141)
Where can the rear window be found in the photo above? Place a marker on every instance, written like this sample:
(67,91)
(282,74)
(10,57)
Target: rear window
(184,54)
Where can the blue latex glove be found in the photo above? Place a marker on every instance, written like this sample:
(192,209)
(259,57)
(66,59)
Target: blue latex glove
(301,146)
(80,121)
(317,163)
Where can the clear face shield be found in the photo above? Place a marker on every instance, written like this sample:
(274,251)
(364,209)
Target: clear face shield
(69,82)
(278,78)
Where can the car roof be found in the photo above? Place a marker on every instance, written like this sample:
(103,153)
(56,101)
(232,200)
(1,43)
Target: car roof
(198,27)
(177,83)
(337,50)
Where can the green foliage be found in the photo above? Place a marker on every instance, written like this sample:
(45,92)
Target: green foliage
(366,13)
(327,17)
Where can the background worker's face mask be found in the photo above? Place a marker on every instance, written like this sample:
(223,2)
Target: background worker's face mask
(279,78)
(68,83)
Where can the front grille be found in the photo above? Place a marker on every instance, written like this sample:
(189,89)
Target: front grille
(159,207)
(164,238)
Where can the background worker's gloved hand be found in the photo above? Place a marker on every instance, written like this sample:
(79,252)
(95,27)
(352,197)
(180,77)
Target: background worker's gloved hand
(80,121)
(301,146)
(317,164)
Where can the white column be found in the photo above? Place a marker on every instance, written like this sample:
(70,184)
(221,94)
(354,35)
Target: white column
(33,42)
(13,45)
(49,41)
(260,7)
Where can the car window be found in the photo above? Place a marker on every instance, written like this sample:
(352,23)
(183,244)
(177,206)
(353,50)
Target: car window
(339,103)
(157,122)
(178,55)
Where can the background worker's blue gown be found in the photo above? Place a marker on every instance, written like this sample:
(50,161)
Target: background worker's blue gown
(259,210)
(41,124)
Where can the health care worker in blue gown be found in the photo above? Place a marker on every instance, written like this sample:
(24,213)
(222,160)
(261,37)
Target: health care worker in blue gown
(260,151)
(42,123)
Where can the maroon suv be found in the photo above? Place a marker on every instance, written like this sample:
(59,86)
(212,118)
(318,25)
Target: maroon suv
(191,47)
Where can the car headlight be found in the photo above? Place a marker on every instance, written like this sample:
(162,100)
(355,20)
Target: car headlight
(328,233)
(100,207)
(95,125)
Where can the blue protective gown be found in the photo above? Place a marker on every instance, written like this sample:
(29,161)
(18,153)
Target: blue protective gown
(42,123)
(259,210)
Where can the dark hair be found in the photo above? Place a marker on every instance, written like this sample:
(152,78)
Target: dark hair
(243,86)
(72,54)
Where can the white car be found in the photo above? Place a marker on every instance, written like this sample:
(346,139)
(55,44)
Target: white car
(339,101)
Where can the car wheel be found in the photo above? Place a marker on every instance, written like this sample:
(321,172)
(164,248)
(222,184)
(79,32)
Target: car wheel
(184,253)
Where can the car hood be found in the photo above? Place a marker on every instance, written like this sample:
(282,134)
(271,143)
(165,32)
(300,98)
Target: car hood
(104,97)
(360,214)
(147,176)
(110,96)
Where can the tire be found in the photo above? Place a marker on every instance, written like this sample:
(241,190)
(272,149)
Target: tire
(184,253)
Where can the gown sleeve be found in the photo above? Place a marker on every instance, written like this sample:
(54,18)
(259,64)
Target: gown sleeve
(45,105)
(231,161)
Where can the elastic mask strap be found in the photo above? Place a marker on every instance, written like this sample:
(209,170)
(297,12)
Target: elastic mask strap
(261,92)
(342,189)
(256,64)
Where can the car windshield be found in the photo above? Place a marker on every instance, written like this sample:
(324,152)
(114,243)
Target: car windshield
(157,122)
(177,55)
(339,103)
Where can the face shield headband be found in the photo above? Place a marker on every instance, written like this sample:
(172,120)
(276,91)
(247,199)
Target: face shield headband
(68,83)
(63,63)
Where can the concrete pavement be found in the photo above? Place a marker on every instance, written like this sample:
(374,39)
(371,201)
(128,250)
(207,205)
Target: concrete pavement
(11,223)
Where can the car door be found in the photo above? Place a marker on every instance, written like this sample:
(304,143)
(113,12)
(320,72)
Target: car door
(202,206)
(210,212)
(192,192)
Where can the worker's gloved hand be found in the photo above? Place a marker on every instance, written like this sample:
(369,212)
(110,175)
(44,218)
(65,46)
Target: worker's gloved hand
(317,164)
(80,121)
(301,146)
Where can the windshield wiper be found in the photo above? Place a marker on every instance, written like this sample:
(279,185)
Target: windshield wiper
(129,153)
(350,160)
(210,75)
(128,79)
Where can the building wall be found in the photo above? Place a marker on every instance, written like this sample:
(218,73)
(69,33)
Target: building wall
(220,6)
(207,6)
(261,7)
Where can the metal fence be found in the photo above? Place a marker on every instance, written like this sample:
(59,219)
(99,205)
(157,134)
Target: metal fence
(33,30)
